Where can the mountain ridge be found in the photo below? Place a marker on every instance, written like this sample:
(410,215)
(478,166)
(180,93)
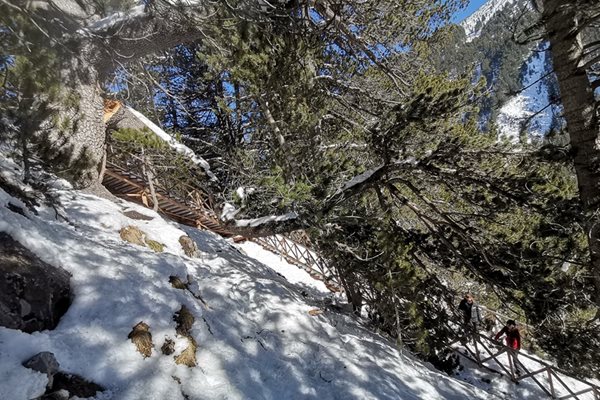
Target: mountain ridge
(481,16)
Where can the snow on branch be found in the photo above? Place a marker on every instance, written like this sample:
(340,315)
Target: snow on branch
(112,20)
(256,222)
(355,184)
(174,144)
(361,178)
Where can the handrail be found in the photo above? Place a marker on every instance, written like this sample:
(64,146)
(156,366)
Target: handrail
(301,256)
(550,371)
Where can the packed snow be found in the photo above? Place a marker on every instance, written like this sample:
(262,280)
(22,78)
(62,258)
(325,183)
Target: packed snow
(256,338)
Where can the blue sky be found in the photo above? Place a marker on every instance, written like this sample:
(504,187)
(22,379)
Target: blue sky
(470,9)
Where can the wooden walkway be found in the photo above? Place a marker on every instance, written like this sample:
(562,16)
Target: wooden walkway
(131,187)
(554,382)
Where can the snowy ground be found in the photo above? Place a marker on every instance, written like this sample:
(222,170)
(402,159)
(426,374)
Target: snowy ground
(256,338)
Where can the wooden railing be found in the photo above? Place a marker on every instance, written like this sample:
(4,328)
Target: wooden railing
(551,379)
(299,255)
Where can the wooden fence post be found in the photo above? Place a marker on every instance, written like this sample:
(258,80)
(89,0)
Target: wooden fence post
(552,391)
(477,356)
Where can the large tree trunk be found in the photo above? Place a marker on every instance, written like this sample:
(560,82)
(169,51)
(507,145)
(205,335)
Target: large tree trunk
(577,98)
(75,145)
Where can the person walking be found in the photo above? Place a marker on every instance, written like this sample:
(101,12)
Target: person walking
(471,315)
(513,340)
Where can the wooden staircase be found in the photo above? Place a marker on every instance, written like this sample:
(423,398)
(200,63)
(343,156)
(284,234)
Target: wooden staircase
(129,186)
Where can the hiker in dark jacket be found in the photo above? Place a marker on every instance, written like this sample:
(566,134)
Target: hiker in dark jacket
(471,314)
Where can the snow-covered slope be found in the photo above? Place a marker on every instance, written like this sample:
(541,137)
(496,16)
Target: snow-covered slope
(256,339)
(533,105)
(528,111)
(476,21)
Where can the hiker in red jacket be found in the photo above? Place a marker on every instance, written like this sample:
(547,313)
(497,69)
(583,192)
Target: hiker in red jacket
(513,339)
(513,336)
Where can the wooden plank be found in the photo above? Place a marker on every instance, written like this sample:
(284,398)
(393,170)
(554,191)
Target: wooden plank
(529,374)
(532,376)
(475,341)
(466,346)
(554,368)
(475,361)
(511,364)
(499,363)
(492,356)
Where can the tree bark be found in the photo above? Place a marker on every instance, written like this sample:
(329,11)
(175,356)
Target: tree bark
(577,97)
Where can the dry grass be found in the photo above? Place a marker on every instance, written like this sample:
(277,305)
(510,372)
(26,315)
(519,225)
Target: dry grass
(188,356)
(133,234)
(142,338)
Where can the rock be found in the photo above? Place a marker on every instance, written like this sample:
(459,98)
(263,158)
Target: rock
(142,338)
(34,295)
(75,385)
(58,395)
(188,356)
(43,362)
(61,386)
(177,283)
(132,234)
(135,235)
(16,209)
(184,320)
(189,246)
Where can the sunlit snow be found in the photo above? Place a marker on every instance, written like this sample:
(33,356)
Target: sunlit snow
(262,342)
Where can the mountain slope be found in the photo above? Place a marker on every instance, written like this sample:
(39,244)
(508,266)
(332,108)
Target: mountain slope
(256,339)
(519,80)
(474,23)
(531,110)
